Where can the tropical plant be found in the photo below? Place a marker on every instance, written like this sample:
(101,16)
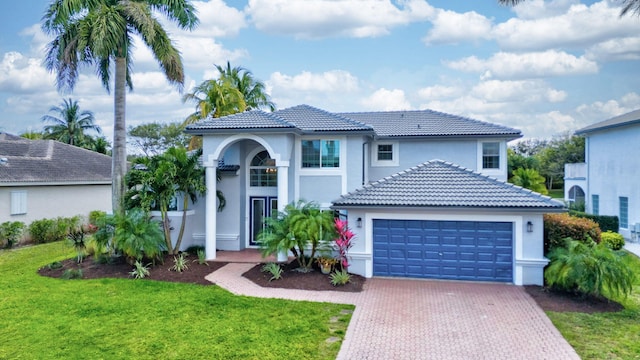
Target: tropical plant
(529,179)
(180,263)
(301,226)
(589,269)
(11,232)
(274,269)
(100,33)
(202,257)
(343,242)
(153,183)
(98,144)
(78,240)
(339,278)
(253,91)
(70,274)
(139,271)
(234,91)
(70,124)
(137,236)
(32,135)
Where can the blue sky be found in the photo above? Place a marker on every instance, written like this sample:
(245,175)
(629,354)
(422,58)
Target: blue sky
(544,67)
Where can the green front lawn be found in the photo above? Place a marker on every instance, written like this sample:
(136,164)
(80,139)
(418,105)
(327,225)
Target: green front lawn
(605,335)
(46,318)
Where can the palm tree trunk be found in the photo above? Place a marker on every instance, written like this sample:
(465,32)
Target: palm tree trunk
(166,227)
(185,204)
(119,156)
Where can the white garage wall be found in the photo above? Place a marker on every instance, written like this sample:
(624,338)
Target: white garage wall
(528,247)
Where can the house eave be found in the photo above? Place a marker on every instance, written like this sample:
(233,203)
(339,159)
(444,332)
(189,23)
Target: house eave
(587,131)
(452,208)
(53,183)
(507,137)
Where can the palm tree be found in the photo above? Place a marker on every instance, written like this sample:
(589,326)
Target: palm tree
(71,123)
(253,91)
(100,33)
(529,179)
(628,6)
(215,98)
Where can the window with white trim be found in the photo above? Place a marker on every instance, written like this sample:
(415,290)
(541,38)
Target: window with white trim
(491,155)
(320,153)
(385,152)
(18,202)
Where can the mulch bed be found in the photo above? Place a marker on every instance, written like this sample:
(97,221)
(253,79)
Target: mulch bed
(550,300)
(292,279)
(545,298)
(120,269)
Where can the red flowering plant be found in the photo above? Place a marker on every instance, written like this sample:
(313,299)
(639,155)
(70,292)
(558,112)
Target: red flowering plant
(343,242)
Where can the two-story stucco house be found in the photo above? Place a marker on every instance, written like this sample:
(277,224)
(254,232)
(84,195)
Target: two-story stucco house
(612,154)
(424,191)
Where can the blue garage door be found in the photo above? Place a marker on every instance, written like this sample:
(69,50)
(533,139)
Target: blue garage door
(458,250)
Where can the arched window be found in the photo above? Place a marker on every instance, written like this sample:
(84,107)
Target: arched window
(576,197)
(263,171)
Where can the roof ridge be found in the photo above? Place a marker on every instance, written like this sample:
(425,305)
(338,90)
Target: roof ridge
(332,114)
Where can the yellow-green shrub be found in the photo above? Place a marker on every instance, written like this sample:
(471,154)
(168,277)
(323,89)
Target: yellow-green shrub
(612,240)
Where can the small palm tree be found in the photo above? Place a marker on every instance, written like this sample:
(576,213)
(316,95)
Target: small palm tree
(70,124)
(529,179)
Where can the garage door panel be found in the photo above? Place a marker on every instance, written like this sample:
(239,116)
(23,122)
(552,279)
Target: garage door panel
(464,250)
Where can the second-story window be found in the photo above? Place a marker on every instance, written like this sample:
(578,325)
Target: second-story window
(320,153)
(491,155)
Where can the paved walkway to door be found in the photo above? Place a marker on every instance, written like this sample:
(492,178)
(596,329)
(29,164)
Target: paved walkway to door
(416,319)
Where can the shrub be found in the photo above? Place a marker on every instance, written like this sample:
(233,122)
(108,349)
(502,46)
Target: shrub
(54,265)
(40,230)
(339,278)
(202,257)
(606,222)
(11,233)
(612,240)
(558,227)
(274,269)
(96,216)
(343,242)
(589,269)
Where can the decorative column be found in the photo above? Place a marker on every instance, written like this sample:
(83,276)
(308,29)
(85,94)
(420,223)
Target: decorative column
(283,197)
(211,209)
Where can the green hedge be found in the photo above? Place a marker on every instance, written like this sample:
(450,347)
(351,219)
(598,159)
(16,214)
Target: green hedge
(50,230)
(558,227)
(606,222)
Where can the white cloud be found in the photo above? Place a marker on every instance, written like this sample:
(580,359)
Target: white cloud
(504,65)
(326,18)
(517,91)
(627,48)
(439,92)
(386,100)
(533,9)
(217,19)
(336,81)
(450,27)
(21,74)
(577,27)
(603,110)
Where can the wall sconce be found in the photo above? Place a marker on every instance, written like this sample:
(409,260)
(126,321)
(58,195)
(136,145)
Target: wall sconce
(359,222)
(529,226)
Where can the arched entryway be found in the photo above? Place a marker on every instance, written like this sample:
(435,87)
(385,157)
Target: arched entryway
(262,192)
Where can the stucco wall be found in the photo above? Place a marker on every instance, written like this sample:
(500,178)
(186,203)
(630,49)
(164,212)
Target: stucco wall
(53,201)
(613,168)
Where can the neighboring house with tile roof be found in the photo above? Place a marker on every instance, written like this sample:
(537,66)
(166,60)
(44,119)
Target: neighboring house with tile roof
(46,179)
(611,169)
(414,216)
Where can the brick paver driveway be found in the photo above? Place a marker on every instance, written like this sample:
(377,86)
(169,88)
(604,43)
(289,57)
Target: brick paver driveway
(415,319)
